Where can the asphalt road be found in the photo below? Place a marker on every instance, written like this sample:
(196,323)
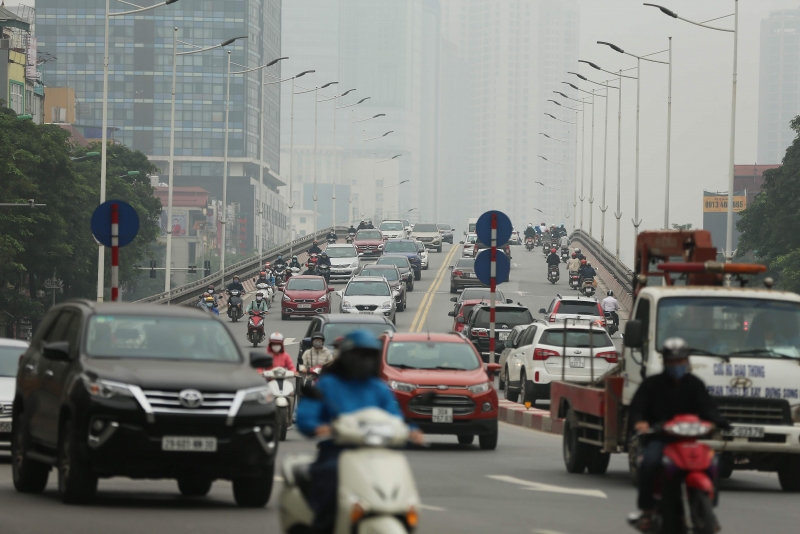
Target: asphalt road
(521,487)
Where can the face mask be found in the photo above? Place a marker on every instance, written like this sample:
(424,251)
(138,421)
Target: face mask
(359,366)
(275,348)
(259,299)
(210,291)
(677,371)
(210,304)
(317,344)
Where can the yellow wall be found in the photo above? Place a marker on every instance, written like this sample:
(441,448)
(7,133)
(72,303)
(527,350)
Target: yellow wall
(59,97)
(16,73)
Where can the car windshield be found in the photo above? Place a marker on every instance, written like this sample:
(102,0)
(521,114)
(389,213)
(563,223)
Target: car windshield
(472,238)
(392,226)
(578,308)
(428,355)
(480,293)
(368,234)
(425,227)
(577,338)
(9,359)
(305,284)
(341,252)
(465,263)
(331,331)
(389,274)
(398,261)
(367,289)
(755,328)
(504,316)
(444,227)
(400,246)
(161,338)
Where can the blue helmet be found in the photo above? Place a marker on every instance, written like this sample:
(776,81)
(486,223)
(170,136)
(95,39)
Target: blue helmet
(359,339)
(280,256)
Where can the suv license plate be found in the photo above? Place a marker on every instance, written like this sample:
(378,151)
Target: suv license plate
(188,443)
(303,306)
(502,336)
(5,427)
(442,415)
(745,432)
(576,362)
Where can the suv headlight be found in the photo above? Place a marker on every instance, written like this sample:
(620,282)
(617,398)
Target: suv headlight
(261,395)
(387,305)
(479,388)
(402,386)
(105,389)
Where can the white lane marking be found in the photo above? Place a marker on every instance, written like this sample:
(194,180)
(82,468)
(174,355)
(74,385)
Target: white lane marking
(290,341)
(547,532)
(538,486)
(432,508)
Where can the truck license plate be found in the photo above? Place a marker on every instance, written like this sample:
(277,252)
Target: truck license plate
(303,306)
(188,443)
(442,415)
(745,432)
(576,362)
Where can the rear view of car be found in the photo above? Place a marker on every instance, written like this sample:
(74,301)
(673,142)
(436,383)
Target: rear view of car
(507,317)
(10,351)
(574,309)
(463,275)
(469,248)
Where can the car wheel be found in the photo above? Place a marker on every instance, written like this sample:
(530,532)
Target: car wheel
(411,288)
(439,248)
(528,395)
(488,442)
(76,482)
(254,492)
(465,439)
(576,453)
(789,473)
(508,393)
(192,486)
(29,475)
(418,275)
(501,383)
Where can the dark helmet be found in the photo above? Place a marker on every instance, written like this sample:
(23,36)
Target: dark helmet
(318,335)
(610,293)
(574,255)
(675,348)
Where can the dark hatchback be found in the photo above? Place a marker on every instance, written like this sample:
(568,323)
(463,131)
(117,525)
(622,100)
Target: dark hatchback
(141,391)
(407,248)
(340,324)
(507,317)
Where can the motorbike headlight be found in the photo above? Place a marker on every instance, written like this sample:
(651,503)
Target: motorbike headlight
(286,298)
(105,389)
(402,386)
(387,305)
(346,305)
(479,388)
(323,298)
(261,395)
(251,323)
(279,372)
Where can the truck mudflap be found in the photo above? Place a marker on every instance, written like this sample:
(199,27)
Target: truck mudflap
(603,405)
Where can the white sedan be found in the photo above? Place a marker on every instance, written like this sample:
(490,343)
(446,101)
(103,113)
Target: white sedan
(10,351)
(469,245)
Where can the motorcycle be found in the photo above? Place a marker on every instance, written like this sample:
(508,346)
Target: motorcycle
(574,278)
(332,240)
(235,305)
(588,287)
(313,258)
(529,243)
(308,376)
(281,384)
(553,274)
(610,326)
(267,289)
(350,238)
(324,270)
(365,465)
(564,254)
(255,327)
(685,487)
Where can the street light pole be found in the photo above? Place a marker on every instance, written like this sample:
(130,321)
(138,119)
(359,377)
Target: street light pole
(604,206)
(618,214)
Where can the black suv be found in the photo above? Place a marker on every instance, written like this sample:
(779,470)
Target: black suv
(476,327)
(141,391)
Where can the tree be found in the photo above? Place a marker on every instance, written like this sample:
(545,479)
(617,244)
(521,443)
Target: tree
(769,226)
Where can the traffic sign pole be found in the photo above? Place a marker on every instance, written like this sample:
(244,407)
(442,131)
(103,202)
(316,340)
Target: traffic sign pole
(492,287)
(114,252)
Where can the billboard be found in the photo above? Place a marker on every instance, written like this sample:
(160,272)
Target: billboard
(715,216)
(715,203)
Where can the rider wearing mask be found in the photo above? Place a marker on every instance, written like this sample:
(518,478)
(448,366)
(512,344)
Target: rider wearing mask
(318,354)
(362,225)
(314,248)
(352,229)
(211,292)
(311,269)
(202,302)
(280,261)
(236,284)
(295,263)
(332,235)
(580,254)
(610,306)
(211,306)
(259,303)
(530,232)
(280,358)
(349,384)
(263,279)
(675,391)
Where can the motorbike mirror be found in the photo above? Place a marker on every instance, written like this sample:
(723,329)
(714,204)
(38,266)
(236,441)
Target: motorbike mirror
(542,311)
(451,267)
(634,336)
(451,313)
(330,290)
(460,320)
(260,360)
(460,242)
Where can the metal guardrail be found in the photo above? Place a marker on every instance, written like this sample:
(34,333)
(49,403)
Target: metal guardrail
(244,269)
(618,270)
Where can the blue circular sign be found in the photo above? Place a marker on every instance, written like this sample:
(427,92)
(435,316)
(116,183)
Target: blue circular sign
(484,228)
(128,222)
(483,266)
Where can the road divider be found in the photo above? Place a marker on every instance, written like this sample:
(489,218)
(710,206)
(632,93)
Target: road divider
(533,418)
(422,313)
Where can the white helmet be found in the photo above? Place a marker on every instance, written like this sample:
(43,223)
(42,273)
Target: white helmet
(259,295)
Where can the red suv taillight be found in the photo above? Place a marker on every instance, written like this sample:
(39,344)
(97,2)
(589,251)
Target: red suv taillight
(543,354)
(555,311)
(480,332)
(610,357)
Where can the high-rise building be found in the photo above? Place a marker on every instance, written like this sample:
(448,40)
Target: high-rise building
(139,96)
(519,52)
(779,76)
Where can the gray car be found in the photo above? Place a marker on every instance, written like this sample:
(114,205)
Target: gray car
(344,261)
(428,234)
(392,275)
(368,295)
(463,275)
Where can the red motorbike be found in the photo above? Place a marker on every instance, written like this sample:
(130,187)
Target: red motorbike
(255,327)
(685,487)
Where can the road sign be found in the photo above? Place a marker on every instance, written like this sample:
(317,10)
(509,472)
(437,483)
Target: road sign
(484,228)
(128,223)
(483,266)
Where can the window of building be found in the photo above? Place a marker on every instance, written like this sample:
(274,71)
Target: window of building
(16,99)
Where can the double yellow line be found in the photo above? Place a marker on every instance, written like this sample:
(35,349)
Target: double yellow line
(422,313)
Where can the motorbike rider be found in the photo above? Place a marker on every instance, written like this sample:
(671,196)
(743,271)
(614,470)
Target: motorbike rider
(236,284)
(587,272)
(347,385)
(553,259)
(564,241)
(259,303)
(325,260)
(311,269)
(573,264)
(201,303)
(280,358)
(579,254)
(211,306)
(279,261)
(362,225)
(210,291)
(295,263)
(314,248)
(370,226)
(332,235)
(264,279)
(675,391)
(610,306)
(530,232)
(352,229)
(318,354)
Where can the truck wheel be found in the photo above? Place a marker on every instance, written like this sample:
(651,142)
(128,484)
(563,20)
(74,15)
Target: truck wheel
(254,492)
(29,475)
(194,487)
(509,394)
(789,473)
(598,461)
(528,395)
(703,518)
(576,454)
(488,442)
(466,439)
(76,482)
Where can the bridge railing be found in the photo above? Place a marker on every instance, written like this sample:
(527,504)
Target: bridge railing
(617,276)
(244,269)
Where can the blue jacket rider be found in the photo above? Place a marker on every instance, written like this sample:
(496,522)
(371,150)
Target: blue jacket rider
(349,384)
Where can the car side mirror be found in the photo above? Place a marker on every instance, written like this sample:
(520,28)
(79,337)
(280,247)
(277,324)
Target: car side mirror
(451,267)
(492,369)
(460,320)
(57,351)
(508,344)
(306,343)
(451,314)
(542,311)
(634,336)
(460,242)
(509,301)
(453,299)
(260,360)
(330,289)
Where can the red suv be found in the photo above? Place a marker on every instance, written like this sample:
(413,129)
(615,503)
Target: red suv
(442,385)
(464,307)
(305,295)
(369,242)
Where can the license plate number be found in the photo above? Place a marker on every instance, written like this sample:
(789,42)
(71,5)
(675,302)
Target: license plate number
(442,415)
(502,336)
(470,275)
(304,306)
(188,443)
(576,362)
(745,432)
(366,312)
(5,427)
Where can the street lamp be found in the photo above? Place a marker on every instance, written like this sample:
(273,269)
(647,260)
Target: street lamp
(88,155)
(337,168)
(104,133)
(729,236)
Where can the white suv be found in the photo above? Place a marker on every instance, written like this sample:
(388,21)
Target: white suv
(539,359)
(10,351)
(393,229)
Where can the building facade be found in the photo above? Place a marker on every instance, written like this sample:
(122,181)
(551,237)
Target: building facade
(779,76)
(20,84)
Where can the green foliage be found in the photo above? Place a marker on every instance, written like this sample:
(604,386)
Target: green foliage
(769,226)
(687,226)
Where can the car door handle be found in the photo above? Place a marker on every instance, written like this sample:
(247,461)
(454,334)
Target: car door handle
(48,373)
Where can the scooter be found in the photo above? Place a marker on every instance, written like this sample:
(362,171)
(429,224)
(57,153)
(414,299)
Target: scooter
(255,327)
(267,289)
(350,238)
(610,326)
(308,376)
(281,384)
(564,254)
(235,305)
(553,274)
(529,243)
(588,287)
(685,487)
(376,492)
(574,278)
(332,240)
(324,270)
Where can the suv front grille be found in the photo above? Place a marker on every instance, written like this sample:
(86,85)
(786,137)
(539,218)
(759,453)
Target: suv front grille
(168,402)
(460,404)
(365,307)
(758,411)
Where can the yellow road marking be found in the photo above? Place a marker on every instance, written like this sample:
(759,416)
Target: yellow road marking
(427,300)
